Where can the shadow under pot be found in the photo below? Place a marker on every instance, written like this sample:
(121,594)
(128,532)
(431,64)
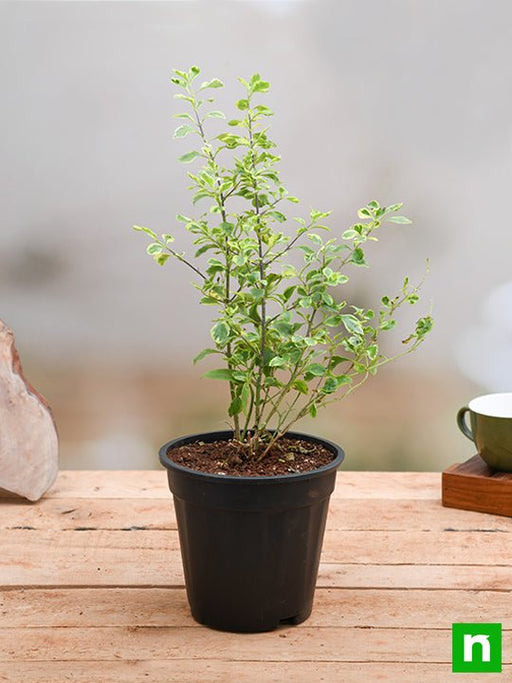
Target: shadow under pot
(250,545)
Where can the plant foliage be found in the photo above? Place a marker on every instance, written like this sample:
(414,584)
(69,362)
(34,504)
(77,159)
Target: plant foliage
(287,341)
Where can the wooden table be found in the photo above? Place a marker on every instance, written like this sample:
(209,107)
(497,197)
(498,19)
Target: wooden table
(92,588)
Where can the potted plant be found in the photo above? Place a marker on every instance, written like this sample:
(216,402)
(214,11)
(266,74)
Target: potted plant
(251,502)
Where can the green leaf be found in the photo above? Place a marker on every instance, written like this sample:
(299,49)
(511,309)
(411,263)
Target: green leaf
(216,115)
(235,406)
(261,86)
(316,239)
(200,195)
(185,115)
(288,292)
(245,396)
(399,219)
(147,231)
(203,354)
(364,213)
(372,351)
(273,382)
(188,157)
(220,333)
(358,257)
(215,266)
(183,130)
(277,362)
(316,369)
(424,325)
(181,96)
(284,328)
(278,216)
(332,321)
(222,373)
(317,215)
(154,248)
(336,360)
(161,258)
(227,227)
(312,410)
(352,324)
(289,271)
(231,141)
(387,325)
(204,248)
(214,83)
(242,105)
(330,385)
(300,386)
(263,110)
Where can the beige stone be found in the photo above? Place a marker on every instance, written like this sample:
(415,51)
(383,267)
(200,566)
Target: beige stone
(28,437)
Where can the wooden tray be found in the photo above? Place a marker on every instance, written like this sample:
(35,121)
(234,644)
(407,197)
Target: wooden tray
(472,485)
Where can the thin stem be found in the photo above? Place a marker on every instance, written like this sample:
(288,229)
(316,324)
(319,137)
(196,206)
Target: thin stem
(187,263)
(288,246)
(261,267)
(221,204)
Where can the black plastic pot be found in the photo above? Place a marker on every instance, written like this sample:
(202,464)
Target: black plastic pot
(250,545)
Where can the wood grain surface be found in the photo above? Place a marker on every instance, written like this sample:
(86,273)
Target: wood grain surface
(92,587)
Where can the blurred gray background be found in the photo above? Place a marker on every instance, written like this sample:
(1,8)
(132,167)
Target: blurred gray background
(397,100)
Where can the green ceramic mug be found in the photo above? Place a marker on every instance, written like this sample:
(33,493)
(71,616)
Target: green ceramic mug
(490,417)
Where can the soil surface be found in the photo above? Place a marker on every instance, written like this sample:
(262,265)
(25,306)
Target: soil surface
(287,456)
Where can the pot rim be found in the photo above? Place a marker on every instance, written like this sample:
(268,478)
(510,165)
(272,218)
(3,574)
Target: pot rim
(223,435)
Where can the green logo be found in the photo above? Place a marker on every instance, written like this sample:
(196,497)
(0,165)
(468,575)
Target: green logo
(476,648)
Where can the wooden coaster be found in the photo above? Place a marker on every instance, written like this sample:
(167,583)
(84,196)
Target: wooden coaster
(473,485)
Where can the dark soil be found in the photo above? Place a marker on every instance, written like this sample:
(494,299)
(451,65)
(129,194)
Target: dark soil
(287,456)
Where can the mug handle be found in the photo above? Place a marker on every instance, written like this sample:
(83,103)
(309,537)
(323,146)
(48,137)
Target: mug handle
(462,423)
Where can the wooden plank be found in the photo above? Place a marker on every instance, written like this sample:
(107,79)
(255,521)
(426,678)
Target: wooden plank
(101,514)
(153,484)
(301,643)
(109,558)
(388,485)
(151,514)
(408,515)
(110,484)
(426,577)
(226,671)
(158,514)
(417,547)
(167,571)
(50,557)
(166,607)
